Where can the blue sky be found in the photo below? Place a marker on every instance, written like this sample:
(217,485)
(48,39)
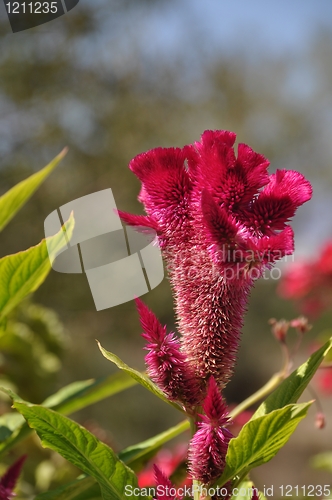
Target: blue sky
(271,25)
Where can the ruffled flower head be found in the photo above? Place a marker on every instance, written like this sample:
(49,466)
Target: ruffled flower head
(221,219)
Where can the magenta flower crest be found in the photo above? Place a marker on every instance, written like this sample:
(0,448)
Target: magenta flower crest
(255,494)
(221,219)
(208,447)
(165,490)
(9,479)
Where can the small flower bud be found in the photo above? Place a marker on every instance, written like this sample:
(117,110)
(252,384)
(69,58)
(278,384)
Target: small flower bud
(320,420)
(279,329)
(166,364)
(301,324)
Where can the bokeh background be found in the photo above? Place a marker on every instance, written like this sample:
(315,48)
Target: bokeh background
(114,78)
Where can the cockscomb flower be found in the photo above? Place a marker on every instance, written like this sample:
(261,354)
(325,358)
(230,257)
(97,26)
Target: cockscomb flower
(208,447)
(165,490)
(255,494)
(172,462)
(9,479)
(166,364)
(220,220)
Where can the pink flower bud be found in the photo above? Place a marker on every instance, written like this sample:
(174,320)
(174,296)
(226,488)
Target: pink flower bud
(166,364)
(301,324)
(165,490)
(208,447)
(279,329)
(320,420)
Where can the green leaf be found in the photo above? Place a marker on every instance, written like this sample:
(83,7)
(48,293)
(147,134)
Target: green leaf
(81,394)
(92,493)
(23,272)
(293,386)
(260,439)
(14,199)
(136,375)
(84,488)
(15,433)
(9,422)
(136,456)
(13,427)
(83,449)
(71,398)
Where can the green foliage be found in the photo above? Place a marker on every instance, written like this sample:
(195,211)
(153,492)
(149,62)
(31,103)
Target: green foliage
(293,386)
(81,448)
(29,335)
(13,431)
(247,488)
(73,397)
(15,198)
(138,376)
(84,488)
(260,439)
(45,324)
(23,272)
(136,456)
(274,421)
(32,343)
(84,393)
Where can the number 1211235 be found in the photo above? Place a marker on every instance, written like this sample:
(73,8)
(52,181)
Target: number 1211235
(32,7)
(309,490)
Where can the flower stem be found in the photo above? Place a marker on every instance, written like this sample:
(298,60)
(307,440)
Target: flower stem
(240,479)
(197,489)
(288,360)
(193,426)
